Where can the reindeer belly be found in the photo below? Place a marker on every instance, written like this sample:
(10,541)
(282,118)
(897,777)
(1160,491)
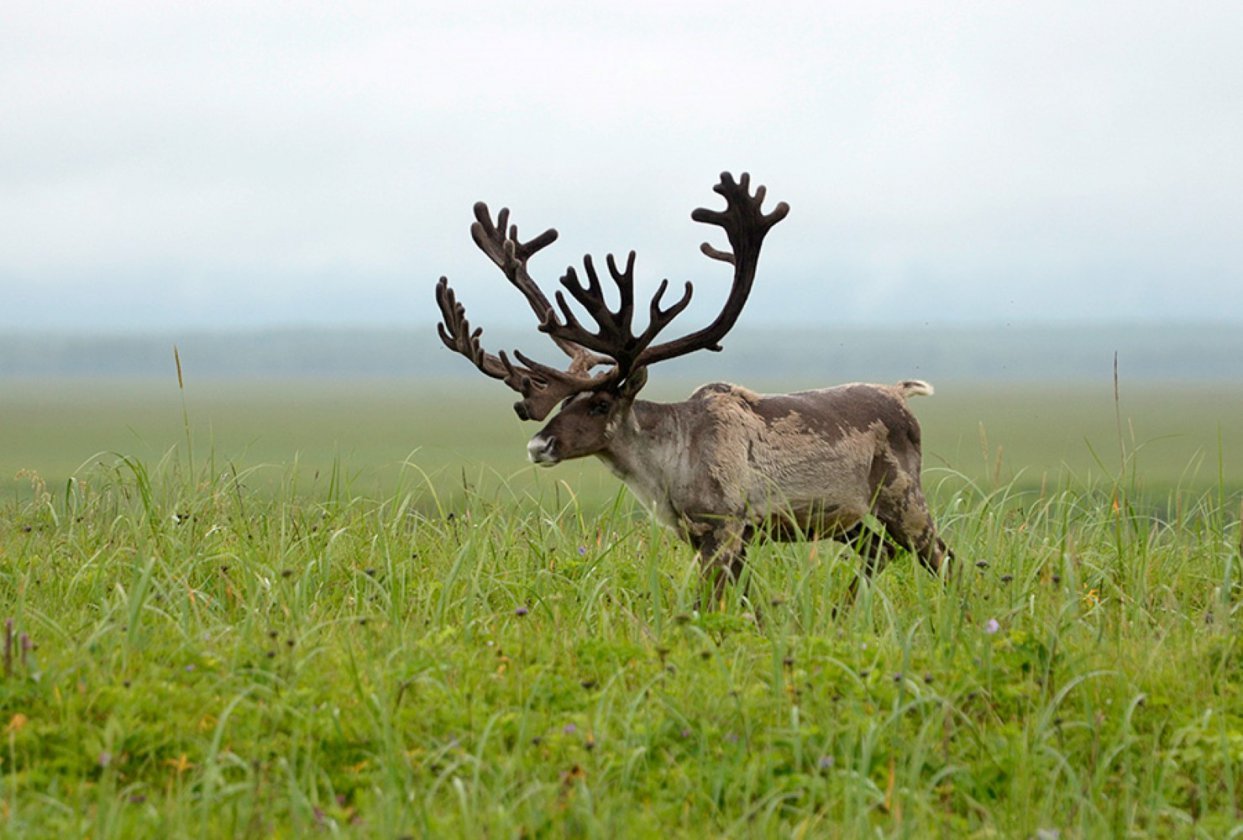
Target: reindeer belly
(809,517)
(817,491)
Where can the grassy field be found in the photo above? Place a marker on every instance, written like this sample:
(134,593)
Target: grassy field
(327,608)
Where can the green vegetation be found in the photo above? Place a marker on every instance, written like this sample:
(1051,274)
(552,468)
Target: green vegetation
(374,639)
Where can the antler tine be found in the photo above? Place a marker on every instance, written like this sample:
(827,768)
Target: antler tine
(723,256)
(625,288)
(526,250)
(614,335)
(745,224)
(659,318)
(570,325)
(542,387)
(613,324)
(455,331)
(591,297)
(742,213)
(499,241)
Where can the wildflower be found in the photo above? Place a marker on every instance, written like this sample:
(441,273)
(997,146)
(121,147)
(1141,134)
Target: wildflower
(582,551)
(105,758)
(992,626)
(825,762)
(521,611)
(570,729)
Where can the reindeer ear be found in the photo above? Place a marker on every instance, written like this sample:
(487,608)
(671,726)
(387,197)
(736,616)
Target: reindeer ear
(634,382)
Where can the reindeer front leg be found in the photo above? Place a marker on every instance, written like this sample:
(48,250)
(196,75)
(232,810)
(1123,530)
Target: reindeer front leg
(721,547)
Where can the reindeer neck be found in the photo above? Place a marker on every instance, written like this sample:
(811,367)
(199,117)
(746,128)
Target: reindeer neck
(647,439)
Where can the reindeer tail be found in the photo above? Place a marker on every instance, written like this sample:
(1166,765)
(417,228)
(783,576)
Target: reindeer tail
(915,388)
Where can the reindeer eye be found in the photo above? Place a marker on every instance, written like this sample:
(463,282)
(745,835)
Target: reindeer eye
(598,407)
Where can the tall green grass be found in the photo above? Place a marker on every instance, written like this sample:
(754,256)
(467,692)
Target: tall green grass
(192,654)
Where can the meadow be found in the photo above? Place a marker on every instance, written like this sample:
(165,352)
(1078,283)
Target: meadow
(283,609)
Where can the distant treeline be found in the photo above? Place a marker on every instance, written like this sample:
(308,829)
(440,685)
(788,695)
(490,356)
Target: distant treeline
(1182,352)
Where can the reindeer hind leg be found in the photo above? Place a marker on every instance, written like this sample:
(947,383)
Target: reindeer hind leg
(875,549)
(908,521)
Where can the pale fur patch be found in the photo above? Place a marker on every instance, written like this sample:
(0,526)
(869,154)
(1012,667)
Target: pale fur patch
(915,388)
(786,467)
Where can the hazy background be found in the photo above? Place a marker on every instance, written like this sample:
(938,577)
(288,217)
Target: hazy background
(997,197)
(174,168)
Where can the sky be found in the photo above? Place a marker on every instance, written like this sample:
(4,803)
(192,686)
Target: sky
(231,165)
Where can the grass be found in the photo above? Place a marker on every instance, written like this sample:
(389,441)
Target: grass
(195,647)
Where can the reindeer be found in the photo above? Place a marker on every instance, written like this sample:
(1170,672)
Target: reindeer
(728,465)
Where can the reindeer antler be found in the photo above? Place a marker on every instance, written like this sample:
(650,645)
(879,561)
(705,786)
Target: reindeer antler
(542,387)
(613,339)
(614,336)
(746,225)
(511,255)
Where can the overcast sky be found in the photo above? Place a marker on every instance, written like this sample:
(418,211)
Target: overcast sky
(232,164)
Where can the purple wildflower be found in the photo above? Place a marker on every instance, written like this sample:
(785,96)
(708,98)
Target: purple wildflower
(991,626)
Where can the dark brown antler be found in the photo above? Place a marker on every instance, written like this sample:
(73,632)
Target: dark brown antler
(614,336)
(746,225)
(542,387)
(511,255)
(613,340)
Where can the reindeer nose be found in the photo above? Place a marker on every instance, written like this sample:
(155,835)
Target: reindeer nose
(540,450)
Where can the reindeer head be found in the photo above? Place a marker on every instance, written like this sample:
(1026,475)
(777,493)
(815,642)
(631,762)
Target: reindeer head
(594,403)
(586,423)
